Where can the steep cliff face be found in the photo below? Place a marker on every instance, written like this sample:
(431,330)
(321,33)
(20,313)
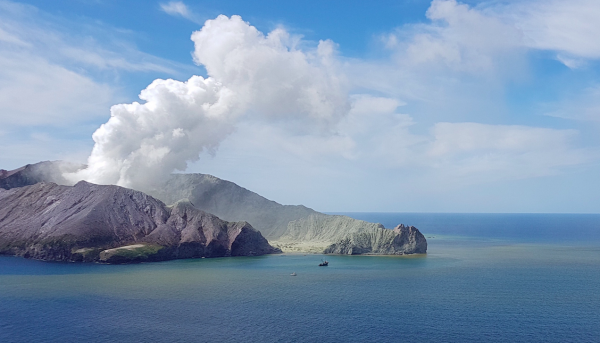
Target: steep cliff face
(195,233)
(114,224)
(402,240)
(345,235)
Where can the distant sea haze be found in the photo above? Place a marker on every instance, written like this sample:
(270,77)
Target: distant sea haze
(485,278)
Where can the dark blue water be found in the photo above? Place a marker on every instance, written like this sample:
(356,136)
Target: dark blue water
(493,278)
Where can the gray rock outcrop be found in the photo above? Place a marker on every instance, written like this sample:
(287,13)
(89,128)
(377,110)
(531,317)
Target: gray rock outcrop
(348,236)
(88,222)
(403,240)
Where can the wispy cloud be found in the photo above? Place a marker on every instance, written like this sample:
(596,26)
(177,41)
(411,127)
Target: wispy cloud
(582,106)
(569,27)
(478,38)
(178,8)
(27,30)
(50,75)
(458,37)
(6,37)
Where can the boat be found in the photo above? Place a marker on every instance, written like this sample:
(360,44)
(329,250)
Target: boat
(293,274)
(324,263)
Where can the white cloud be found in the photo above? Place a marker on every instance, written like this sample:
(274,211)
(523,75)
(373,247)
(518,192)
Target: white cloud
(59,83)
(479,152)
(6,37)
(486,37)
(460,38)
(453,68)
(395,159)
(281,81)
(569,27)
(456,138)
(375,138)
(258,77)
(463,152)
(36,92)
(380,161)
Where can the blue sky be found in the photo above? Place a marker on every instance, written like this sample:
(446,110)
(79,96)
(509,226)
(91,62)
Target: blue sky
(413,106)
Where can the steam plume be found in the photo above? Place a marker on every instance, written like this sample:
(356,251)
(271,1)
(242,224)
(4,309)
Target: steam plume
(250,76)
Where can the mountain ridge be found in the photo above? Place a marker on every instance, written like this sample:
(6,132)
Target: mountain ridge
(77,223)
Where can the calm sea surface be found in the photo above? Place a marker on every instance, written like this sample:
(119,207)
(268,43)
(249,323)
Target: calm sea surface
(486,278)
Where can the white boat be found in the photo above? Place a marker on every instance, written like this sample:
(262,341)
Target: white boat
(293,274)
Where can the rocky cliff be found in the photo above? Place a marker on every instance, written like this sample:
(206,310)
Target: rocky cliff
(345,235)
(112,224)
(402,240)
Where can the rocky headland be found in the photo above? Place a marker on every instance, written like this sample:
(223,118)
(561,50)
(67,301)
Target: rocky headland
(333,234)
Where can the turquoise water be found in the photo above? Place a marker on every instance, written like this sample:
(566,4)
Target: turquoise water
(485,278)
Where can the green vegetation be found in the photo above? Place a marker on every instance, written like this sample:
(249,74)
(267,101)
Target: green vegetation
(131,253)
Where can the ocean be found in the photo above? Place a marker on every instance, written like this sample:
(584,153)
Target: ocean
(485,278)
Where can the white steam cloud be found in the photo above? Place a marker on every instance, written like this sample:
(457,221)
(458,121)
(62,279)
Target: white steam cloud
(250,76)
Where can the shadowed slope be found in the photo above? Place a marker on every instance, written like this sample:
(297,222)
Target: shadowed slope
(231,202)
